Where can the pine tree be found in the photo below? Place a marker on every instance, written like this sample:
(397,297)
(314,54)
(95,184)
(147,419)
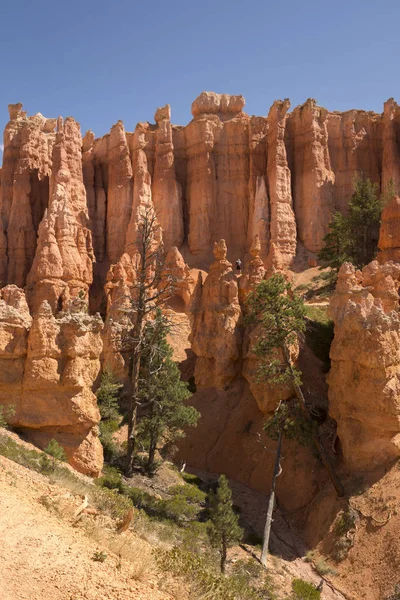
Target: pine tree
(354,237)
(162,394)
(108,402)
(151,288)
(223,528)
(280,316)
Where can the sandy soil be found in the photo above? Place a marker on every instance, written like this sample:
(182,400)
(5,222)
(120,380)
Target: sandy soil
(42,557)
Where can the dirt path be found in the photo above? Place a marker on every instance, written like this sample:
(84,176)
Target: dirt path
(43,558)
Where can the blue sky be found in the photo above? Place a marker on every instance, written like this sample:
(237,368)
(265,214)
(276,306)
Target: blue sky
(101,61)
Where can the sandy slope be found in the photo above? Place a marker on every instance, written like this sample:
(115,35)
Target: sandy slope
(43,558)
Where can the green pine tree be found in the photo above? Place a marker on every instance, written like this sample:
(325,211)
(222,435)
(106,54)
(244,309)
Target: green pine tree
(162,394)
(354,237)
(108,402)
(223,528)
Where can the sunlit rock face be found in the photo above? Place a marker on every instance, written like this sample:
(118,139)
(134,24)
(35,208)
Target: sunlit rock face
(364,388)
(49,364)
(68,205)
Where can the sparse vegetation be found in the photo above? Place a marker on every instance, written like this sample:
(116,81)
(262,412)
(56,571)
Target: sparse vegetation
(346,521)
(56,452)
(99,556)
(323,568)
(302,590)
(396,593)
(205,582)
(6,413)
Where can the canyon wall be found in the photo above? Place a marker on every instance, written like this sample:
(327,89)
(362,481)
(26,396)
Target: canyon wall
(364,388)
(254,187)
(70,202)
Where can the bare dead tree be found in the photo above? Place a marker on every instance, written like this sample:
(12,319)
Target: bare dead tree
(152,288)
(271,502)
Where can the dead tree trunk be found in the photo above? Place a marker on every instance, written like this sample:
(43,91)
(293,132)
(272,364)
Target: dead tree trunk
(271,502)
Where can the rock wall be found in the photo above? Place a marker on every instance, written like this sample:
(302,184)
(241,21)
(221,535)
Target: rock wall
(48,366)
(364,389)
(224,175)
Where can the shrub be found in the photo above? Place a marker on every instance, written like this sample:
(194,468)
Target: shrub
(57,453)
(302,590)
(99,556)
(111,479)
(346,521)
(204,581)
(341,548)
(323,568)
(5,415)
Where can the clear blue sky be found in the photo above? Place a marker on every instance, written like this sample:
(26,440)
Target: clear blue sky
(105,60)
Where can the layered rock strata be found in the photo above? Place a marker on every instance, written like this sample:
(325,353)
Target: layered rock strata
(225,175)
(48,366)
(364,388)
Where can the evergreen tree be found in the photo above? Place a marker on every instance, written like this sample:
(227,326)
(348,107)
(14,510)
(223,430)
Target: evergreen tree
(108,402)
(280,316)
(152,287)
(162,394)
(223,528)
(354,238)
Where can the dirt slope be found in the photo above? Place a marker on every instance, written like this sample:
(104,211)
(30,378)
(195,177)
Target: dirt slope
(43,558)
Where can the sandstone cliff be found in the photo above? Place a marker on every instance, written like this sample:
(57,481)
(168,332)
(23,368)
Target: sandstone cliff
(224,175)
(363,382)
(48,367)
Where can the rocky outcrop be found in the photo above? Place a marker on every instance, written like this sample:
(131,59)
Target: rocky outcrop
(166,190)
(313,175)
(282,220)
(49,365)
(363,382)
(62,267)
(216,313)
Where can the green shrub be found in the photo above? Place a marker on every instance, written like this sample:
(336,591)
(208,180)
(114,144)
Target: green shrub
(191,493)
(57,453)
(99,556)
(5,415)
(346,521)
(202,577)
(302,590)
(194,480)
(111,479)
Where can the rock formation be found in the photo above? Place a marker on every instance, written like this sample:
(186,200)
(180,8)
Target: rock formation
(49,365)
(363,382)
(216,314)
(69,212)
(224,176)
(62,267)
